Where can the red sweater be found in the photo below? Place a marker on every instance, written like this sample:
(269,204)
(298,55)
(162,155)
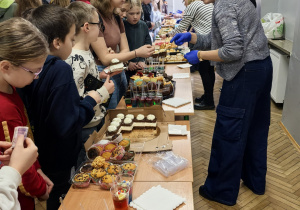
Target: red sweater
(33,185)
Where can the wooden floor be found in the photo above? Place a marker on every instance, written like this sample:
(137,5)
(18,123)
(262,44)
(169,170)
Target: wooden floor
(283,176)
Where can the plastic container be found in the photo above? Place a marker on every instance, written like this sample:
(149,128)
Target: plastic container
(85,180)
(118,153)
(129,168)
(125,143)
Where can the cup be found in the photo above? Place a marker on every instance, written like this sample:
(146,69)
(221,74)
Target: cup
(126,180)
(120,196)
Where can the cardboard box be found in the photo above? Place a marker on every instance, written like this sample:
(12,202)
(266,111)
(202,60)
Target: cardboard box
(156,143)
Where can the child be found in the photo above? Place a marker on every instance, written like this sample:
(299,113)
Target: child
(83,63)
(22,55)
(137,35)
(53,102)
(18,161)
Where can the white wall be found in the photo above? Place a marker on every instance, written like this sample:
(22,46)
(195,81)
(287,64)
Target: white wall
(175,5)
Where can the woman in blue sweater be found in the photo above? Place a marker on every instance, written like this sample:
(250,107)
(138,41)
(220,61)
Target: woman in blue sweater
(239,50)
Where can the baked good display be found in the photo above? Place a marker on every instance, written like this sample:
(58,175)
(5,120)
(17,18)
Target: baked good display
(96,174)
(114,169)
(81,180)
(111,130)
(98,162)
(87,168)
(107,181)
(118,153)
(129,168)
(125,143)
(94,151)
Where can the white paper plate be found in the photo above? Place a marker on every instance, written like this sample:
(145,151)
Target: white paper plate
(177,130)
(181,75)
(186,65)
(176,102)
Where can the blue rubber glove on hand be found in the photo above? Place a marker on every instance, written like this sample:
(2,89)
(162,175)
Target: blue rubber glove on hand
(181,38)
(192,57)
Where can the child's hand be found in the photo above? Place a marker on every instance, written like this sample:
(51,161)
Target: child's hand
(141,65)
(109,85)
(49,183)
(132,66)
(5,157)
(45,196)
(103,75)
(24,154)
(145,51)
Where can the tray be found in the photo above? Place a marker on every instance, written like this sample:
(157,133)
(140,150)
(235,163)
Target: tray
(176,62)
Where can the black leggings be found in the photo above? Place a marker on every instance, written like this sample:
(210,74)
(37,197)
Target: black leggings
(207,74)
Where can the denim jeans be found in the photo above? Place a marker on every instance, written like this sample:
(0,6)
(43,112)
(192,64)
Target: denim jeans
(239,144)
(120,88)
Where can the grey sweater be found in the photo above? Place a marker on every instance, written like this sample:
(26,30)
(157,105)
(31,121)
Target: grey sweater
(237,33)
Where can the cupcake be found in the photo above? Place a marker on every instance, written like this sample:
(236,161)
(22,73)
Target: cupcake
(98,162)
(107,181)
(105,165)
(94,151)
(131,116)
(111,130)
(129,156)
(129,168)
(106,155)
(120,116)
(125,143)
(150,121)
(96,174)
(114,169)
(110,147)
(127,125)
(118,153)
(87,168)
(81,180)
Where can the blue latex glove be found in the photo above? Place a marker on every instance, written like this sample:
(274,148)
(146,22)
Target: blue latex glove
(181,38)
(178,21)
(192,57)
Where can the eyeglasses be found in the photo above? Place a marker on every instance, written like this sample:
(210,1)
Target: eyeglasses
(99,24)
(36,74)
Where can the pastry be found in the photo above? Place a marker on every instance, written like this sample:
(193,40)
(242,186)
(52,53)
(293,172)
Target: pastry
(96,174)
(81,180)
(118,153)
(129,168)
(116,65)
(139,121)
(106,155)
(125,143)
(150,121)
(117,120)
(114,169)
(131,116)
(94,151)
(107,181)
(115,123)
(87,168)
(120,115)
(111,130)
(127,125)
(98,162)
(110,146)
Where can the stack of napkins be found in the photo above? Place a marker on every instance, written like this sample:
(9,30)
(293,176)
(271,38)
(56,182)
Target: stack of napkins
(157,198)
(176,102)
(186,65)
(177,129)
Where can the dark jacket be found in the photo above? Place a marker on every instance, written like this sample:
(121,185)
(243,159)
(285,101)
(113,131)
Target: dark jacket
(57,115)
(137,36)
(146,15)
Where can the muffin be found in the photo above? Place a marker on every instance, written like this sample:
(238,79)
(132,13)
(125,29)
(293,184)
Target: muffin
(94,151)
(107,181)
(106,155)
(105,165)
(81,180)
(96,174)
(111,130)
(98,162)
(118,153)
(87,168)
(129,168)
(114,169)
(110,147)
(125,143)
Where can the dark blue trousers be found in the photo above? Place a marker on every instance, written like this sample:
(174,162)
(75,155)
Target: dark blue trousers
(239,145)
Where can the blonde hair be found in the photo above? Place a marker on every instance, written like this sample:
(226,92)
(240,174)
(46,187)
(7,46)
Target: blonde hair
(25,5)
(62,3)
(135,3)
(83,11)
(21,41)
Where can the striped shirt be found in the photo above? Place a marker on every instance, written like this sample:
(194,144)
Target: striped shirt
(198,15)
